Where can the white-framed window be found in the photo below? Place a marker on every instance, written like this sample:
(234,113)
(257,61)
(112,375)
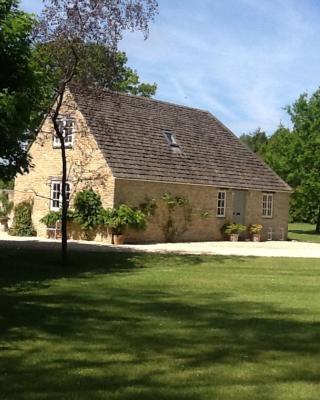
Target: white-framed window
(267,205)
(56,196)
(221,203)
(66,128)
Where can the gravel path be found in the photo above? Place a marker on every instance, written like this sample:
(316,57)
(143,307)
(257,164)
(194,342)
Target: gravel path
(262,249)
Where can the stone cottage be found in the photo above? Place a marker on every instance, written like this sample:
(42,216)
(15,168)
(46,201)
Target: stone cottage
(132,150)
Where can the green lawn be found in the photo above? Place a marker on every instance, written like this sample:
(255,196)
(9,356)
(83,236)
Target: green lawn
(303,232)
(159,327)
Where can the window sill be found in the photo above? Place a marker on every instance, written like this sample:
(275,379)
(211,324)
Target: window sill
(67,146)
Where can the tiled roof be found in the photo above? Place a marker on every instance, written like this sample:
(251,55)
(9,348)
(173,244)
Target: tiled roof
(130,132)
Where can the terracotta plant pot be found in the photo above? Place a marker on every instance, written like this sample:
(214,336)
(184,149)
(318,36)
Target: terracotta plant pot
(256,237)
(234,237)
(118,239)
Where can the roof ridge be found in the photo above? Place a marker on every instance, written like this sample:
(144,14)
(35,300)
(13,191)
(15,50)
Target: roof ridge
(143,98)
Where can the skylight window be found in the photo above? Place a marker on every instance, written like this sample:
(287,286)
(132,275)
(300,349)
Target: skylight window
(171,138)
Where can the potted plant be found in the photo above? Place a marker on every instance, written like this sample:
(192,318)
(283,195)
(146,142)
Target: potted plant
(119,219)
(255,231)
(50,221)
(233,230)
(6,207)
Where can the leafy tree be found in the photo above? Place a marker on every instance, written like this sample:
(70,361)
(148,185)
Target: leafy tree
(19,88)
(255,140)
(304,157)
(275,152)
(97,66)
(295,155)
(69,25)
(6,184)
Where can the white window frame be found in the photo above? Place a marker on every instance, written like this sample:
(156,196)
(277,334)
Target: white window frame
(267,205)
(67,132)
(55,194)
(221,203)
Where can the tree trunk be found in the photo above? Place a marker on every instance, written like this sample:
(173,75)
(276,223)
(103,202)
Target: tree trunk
(65,205)
(318,223)
(64,233)
(65,202)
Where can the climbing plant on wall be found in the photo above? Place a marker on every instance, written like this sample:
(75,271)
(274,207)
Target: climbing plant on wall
(178,216)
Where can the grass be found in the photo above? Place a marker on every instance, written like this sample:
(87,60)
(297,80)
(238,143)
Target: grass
(303,232)
(130,326)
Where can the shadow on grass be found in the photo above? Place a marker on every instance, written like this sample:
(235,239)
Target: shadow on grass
(37,262)
(143,344)
(87,338)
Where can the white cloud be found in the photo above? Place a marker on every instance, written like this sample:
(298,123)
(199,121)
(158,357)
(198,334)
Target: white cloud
(242,71)
(243,60)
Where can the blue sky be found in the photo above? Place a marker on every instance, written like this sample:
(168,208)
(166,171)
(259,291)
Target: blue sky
(243,60)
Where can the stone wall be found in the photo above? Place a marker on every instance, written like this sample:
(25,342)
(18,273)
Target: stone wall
(86,165)
(279,221)
(203,199)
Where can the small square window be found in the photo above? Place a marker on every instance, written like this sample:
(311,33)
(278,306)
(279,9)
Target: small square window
(66,128)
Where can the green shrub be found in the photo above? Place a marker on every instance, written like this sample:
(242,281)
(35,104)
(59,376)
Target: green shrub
(230,228)
(87,210)
(123,217)
(22,220)
(52,217)
(6,205)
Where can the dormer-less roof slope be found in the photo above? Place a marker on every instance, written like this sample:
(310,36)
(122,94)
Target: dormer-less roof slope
(130,132)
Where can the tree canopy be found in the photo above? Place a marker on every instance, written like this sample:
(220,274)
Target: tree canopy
(19,87)
(295,155)
(255,140)
(97,66)
(30,73)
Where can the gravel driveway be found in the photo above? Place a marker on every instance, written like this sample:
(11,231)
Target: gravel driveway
(262,249)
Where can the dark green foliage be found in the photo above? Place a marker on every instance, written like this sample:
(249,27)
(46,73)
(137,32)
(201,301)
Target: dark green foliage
(20,88)
(6,205)
(7,184)
(97,66)
(100,67)
(123,217)
(295,155)
(52,217)
(276,152)
(304,158)
(255,140)
(22,220)
(87,210)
